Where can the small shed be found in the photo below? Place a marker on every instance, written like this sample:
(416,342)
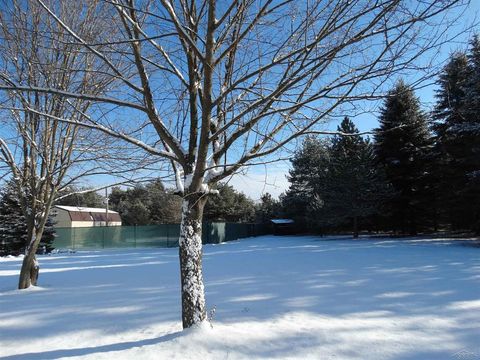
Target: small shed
(75,216)
(283,226)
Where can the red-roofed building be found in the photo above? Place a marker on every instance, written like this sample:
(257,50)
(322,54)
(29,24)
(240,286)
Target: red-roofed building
(74,216)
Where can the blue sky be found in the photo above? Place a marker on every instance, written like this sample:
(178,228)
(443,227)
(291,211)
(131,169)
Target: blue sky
(272,178)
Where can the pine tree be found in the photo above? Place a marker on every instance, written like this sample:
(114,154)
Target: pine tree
(48,237)
(457,129)
(448,114)
(402,143)
(267,209)
(146,204)
(309,165)
(354,187)
(229,205)
(13,228)
(80,198)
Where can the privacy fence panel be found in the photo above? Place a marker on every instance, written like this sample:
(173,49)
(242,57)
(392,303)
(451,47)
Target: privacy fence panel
(163,235)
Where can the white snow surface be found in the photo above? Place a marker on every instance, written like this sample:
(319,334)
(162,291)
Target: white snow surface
(274,298)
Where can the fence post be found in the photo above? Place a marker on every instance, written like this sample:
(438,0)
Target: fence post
(73,238)
(135,235)
(103,237)
(168,234)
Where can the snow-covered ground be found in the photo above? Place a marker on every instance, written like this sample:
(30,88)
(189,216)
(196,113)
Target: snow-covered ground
(275,297)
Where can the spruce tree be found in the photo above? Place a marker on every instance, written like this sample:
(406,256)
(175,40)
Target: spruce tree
(402,144)
(449,113)
(13,228)
(457,129)
(267,209)
(354,187)
(309,166)
(230,206)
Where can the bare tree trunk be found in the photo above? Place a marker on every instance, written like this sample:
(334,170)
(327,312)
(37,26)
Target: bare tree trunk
(29,272)
(30,267)
(190,249)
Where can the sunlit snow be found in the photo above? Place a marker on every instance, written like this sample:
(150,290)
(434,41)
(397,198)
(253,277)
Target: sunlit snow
(274,298)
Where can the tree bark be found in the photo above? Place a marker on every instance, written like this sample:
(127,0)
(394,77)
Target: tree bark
(30,267)
(190,249)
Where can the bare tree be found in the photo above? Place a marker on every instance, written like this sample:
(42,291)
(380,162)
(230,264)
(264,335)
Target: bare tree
(42,154)
(216,86)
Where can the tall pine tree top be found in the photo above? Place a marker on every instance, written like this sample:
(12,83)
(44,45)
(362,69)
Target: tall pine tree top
(403,135)
(349,144)
(472,92)
(450,97)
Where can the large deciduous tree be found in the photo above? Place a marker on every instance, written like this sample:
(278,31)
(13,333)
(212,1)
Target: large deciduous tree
(214,86)
(44,155)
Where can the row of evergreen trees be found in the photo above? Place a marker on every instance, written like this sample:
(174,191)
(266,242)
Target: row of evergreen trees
(335,184)
(421,173)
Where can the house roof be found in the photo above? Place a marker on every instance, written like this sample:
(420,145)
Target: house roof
(85,209)
(77,213)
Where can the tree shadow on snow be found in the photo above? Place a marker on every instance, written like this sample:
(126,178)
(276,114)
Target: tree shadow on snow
(66,353)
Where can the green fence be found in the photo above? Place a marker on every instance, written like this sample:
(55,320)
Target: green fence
(163,235)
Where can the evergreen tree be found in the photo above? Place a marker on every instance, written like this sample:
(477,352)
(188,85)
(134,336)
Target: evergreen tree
(267,209)
(402,143)
(48,237)
(82,199)
(354,187)
(162,204)
(13,228)
(448,114)
(146,204)
(457,128)
(309,166)
(229,205)
(469,133)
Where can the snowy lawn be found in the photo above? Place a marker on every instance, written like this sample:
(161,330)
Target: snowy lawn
(275,297)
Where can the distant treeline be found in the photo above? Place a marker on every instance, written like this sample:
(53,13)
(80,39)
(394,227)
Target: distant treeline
(152,203)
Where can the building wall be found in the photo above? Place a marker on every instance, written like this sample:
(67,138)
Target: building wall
(103,223)
(78,224)
(62,218)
